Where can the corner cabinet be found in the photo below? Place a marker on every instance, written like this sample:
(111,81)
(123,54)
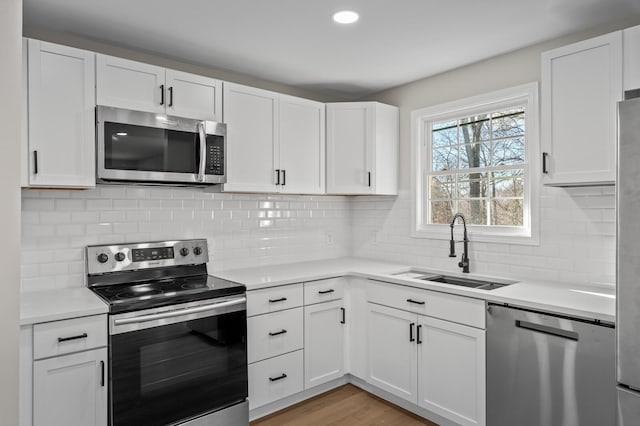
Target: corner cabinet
(127,84)
(276,142)
(362,148)
(60,134)
(581,85)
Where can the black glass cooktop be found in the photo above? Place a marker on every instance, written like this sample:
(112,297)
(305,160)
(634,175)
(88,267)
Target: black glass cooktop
(156,293)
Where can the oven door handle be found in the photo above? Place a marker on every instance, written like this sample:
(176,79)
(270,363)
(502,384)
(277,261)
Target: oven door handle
(203,151)
(179,312)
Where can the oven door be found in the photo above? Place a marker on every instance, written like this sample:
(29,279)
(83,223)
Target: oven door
(155,148)
(169,365)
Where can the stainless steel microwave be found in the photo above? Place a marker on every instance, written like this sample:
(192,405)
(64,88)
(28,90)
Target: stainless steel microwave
(151,148)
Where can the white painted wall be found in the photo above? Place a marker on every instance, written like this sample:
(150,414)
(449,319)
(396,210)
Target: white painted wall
(10,87)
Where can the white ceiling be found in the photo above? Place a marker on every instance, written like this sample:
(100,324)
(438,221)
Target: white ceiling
(295,41)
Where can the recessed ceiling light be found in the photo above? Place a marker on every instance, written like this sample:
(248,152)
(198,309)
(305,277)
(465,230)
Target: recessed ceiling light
(346,17)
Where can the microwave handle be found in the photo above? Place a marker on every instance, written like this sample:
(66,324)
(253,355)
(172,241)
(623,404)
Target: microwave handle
(203,151)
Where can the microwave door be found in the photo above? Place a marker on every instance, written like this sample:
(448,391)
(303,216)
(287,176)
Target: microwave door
(202,142)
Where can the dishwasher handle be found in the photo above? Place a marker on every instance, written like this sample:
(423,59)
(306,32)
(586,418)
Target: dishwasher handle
(567,334)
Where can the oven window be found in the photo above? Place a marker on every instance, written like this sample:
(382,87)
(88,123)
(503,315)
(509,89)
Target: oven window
(174,372)
(131,147)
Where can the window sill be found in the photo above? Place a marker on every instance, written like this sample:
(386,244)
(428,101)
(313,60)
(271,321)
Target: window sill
(443,232)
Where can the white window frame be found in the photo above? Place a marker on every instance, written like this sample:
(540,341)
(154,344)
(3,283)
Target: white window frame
(525,95)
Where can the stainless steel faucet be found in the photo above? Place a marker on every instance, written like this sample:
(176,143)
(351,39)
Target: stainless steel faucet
(464,262)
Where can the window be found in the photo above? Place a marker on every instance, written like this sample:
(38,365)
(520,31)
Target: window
(475,157)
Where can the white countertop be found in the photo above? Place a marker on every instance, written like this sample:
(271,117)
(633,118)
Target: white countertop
(584,301)
(54,305)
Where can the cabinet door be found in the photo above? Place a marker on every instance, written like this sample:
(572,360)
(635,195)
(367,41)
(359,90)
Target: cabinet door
(302,145)
(451,368)
(349,152)
(61,86)
(71,390)
(392,351)
(323,342)
(131,85)
(251,116)
(581,84)
(631,56)
(193,96)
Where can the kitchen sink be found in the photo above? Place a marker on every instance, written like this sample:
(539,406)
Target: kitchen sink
(453,280)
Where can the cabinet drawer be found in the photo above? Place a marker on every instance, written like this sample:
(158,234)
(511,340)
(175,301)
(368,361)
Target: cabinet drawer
(274,334)
(460,309)
(274,299)
(275,378)
(323,290)
(72,335)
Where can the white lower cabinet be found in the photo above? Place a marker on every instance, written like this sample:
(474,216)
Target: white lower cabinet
(274,334)
(275,378)
(392,351)
(323,342)
(451,370)
(71,390)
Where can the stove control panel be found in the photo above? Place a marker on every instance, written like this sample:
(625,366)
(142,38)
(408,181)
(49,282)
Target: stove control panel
(135,256)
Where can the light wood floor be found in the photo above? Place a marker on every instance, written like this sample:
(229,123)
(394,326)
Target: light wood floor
(346,405)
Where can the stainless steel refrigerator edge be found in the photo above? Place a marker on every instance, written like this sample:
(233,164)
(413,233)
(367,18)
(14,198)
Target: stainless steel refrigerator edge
(628,262)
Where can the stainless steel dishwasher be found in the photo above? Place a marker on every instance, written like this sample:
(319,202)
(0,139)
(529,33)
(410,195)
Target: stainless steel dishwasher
(548,370)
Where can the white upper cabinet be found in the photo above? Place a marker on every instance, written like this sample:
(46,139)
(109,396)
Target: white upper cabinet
(251,116)
(275,142)
(60,136)
(631,40)
(362,148)
(137,86)
(302,145)
(581,84)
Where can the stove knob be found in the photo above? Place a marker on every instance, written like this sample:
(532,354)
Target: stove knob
(103,257)
(184,251)
(120,256)
(197,251)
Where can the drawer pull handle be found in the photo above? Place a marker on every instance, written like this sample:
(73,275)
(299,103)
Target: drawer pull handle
(277,333)
(280,377)
(282,299)
(326,291)
(418,328)
(66,339)
(416,302)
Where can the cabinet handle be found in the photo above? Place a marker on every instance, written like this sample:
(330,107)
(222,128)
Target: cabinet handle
(102,373)
(419,341)
(277,176)
(277,333)
(282,299)
(326,291)
(411,338)
(344,316)
(280,377)
(162,94)
(544,162)
(416,302)
(66,339)
(369,179)
(284,177)
(170,96)
(35,162)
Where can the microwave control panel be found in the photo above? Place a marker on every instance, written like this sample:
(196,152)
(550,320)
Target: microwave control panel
(215,155)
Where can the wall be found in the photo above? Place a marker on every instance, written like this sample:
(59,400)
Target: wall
(10,84)
(577,226)
(243,230)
